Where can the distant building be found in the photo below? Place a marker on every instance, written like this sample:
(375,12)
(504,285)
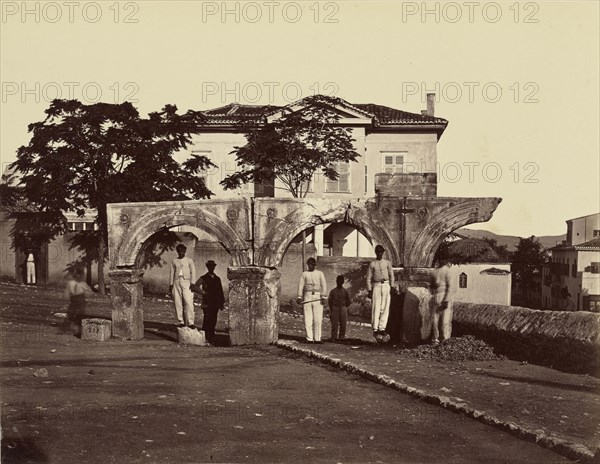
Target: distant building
(51,258)
(571,281)
(583,229)
(479,276)
(485,283)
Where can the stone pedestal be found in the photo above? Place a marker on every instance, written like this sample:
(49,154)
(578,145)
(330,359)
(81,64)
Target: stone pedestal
(414,323)
(416,315)
(253,305)
(187,336)
(95,329)
(126,292)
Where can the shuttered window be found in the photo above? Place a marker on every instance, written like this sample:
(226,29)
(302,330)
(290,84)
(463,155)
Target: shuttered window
(342,184)
(393,162)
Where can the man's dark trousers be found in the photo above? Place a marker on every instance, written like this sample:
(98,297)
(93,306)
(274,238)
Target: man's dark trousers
(209,322)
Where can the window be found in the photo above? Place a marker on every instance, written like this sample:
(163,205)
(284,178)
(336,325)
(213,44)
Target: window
(595,268)
(574,269)
(596,233)
(462,280)
(342,184)
(79,226)
(393,162)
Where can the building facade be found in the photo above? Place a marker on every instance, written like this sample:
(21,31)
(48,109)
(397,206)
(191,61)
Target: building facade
(389,141)
(571,281)
(482,283)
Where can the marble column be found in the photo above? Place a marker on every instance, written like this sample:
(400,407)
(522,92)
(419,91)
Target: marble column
(126,293)
(253,305)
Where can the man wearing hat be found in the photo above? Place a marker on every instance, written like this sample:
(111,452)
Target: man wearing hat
(380,279)
(213,299)
(312,289)
(181,275)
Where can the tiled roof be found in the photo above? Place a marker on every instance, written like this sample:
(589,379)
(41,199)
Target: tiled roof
(495,271)
(472,250)
(381,115)
(391,116)
(594,243)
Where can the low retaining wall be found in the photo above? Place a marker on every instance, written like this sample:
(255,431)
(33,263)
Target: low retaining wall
(569,341)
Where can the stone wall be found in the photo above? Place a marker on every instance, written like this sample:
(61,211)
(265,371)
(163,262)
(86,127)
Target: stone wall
(569,341)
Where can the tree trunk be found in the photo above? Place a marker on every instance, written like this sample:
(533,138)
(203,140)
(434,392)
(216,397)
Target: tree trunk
(88,271)
(101,254)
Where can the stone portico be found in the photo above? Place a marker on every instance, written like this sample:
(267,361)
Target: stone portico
(406,217)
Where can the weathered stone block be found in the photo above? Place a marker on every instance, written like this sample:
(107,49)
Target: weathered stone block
(96,329)
(126,293)
(416,315)
(253,305)
(406,184)
(187,336)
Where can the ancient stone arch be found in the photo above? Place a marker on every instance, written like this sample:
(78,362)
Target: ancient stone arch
(132,224)
(406,217)
(446,215)
(278,221)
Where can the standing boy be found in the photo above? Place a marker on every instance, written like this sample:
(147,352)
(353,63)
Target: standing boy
(339,300)
(75,290)
(380,279)
(181,274)
(311,290)
(441,307)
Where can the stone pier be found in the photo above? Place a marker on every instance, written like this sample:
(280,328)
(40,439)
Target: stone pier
(414,322)
(126,292)
(253,305)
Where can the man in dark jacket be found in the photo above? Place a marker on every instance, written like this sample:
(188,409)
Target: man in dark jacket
(212,299)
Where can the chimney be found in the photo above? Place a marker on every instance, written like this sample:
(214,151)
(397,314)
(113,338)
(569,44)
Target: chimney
(430,104)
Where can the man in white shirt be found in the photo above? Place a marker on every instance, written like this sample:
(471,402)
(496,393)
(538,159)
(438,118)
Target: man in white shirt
(312,289)
(181,275)
(380,279)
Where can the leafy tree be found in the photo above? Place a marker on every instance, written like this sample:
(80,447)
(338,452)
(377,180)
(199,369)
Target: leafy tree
(293,147)
(472,250)
(81,157)
(504,255)
(529,256)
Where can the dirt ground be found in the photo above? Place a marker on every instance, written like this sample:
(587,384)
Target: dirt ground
(153,401)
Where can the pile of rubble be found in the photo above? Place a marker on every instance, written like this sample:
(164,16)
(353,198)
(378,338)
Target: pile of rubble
(466,348)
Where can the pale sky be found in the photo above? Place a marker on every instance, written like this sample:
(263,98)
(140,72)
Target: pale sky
(519,82)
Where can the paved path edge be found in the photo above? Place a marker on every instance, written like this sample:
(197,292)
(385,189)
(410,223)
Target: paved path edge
(574,451)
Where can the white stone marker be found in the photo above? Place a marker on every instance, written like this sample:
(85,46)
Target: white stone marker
(96,329)
(189,336)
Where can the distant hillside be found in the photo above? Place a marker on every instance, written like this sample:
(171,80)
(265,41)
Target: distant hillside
(511,241)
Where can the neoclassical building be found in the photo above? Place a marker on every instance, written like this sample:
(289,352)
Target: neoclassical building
(389,141)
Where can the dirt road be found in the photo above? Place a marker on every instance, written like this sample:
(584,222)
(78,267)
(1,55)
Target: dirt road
(152,401)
